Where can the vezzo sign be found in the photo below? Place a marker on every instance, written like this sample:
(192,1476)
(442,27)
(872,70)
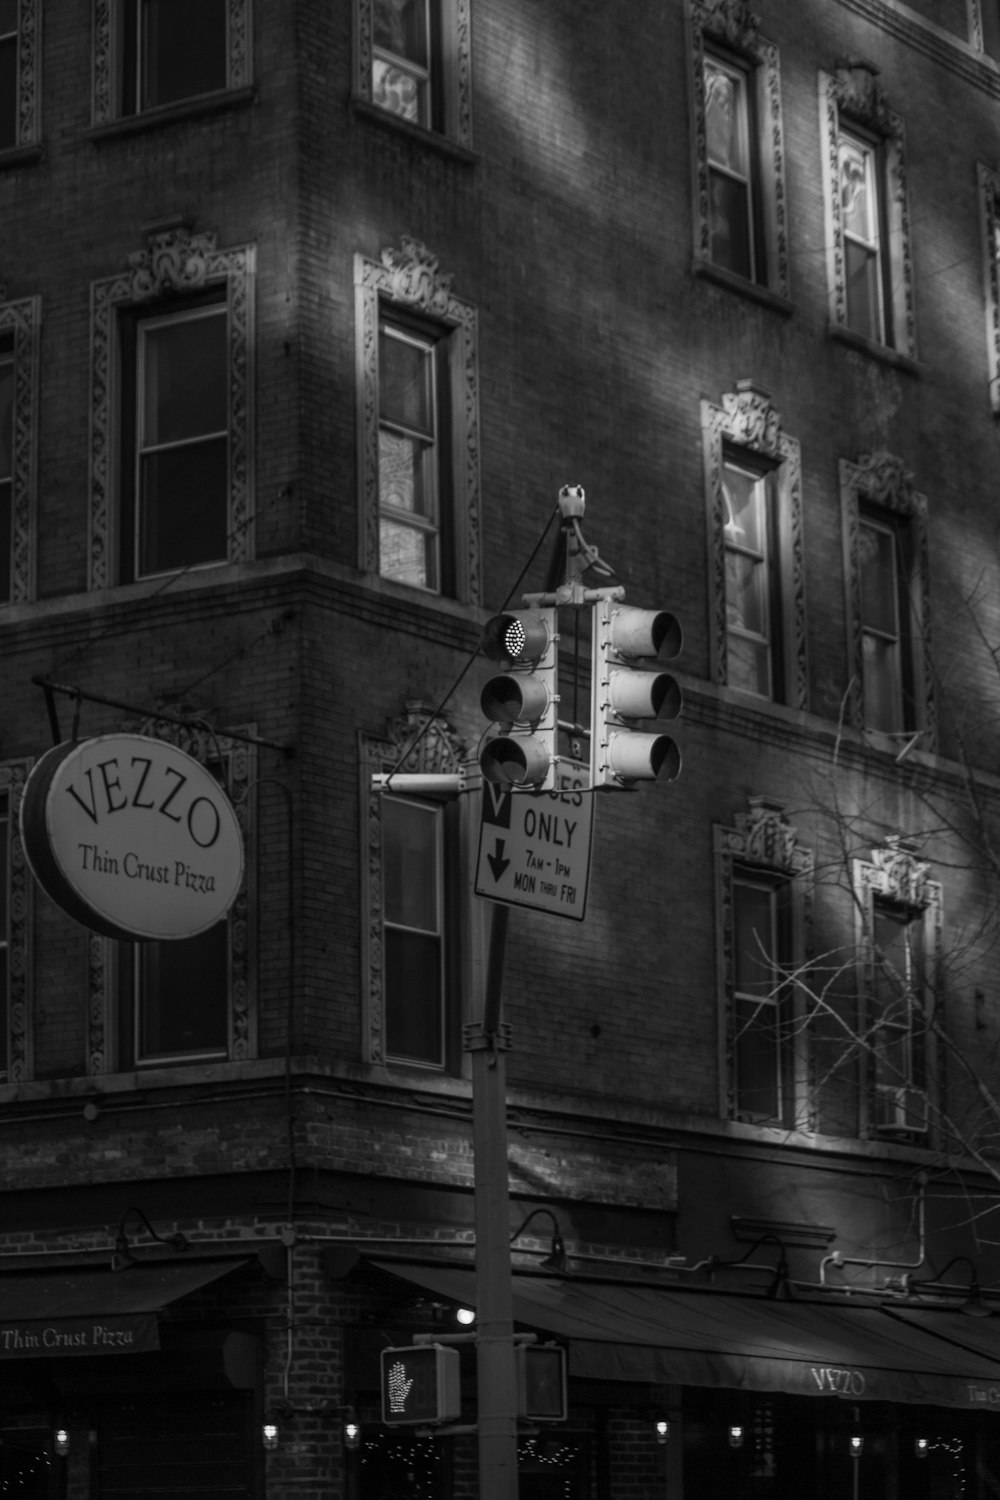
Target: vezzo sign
(132,837)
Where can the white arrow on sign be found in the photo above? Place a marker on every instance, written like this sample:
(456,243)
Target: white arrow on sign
(534,847)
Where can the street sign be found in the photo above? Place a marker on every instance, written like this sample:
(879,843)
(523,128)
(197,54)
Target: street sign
(534,847)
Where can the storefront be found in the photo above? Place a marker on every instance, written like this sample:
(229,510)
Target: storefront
(713,1392)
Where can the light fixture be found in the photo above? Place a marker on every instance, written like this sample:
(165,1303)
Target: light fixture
(123,1257)
(465,1315)
(60,1441)
(857,1443)
(662,1431)
(736,1436)
(269,1434)
(920,1447)
(974,1305)
(352,1431)
(779,1288)
(556,1258)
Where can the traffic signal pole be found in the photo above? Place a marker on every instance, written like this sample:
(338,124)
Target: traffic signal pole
(487,1041)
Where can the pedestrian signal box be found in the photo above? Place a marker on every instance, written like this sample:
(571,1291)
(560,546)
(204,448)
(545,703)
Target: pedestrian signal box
(420,1385)
(541,1382)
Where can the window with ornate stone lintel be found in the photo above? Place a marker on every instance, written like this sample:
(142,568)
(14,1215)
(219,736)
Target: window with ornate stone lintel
(415,903)
(20,323)
(740,203)
(165,56)
(753,491)
(868,254)
(20,78)
(413,62)
(172,285)
(418,459)
(764,890)
(989,200)
(898,912)
(887,579)
(127,1025)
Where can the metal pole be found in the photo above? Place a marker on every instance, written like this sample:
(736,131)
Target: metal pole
(495,1363)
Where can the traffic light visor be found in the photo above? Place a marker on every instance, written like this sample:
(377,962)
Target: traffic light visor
(514,698)
(516,638)
(644,632)
(643,757)
(523,760)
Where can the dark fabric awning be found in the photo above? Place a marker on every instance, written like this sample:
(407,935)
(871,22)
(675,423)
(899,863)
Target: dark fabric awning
(93,1310)
(626,1331)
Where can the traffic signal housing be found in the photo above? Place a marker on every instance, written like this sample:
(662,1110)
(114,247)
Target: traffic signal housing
(522,701)
(420,1385)
(541,1382)
(627,689)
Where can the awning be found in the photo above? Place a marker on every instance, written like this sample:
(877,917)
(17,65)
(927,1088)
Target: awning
(93,1310)
(627,1331)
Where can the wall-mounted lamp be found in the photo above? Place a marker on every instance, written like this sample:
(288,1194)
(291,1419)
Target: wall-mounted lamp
(736,1436)
(60,1441)
(352,1432)
(556,1258)
(857,1443)
(779,1289)
(465,1315)
(662,1431)
(269,1434)
(973,1306)
(920,1447)
(123,1257)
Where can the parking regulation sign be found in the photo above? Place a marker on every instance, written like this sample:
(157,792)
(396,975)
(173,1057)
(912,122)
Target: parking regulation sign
(534,847)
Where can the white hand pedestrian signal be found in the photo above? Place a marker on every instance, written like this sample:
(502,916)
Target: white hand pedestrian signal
(420,1385)
(398,1388)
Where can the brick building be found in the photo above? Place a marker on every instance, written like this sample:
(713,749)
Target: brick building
(307,313)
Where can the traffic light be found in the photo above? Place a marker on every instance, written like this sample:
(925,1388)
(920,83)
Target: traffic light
(626,689)
(541,1382)
(523,700)
(420,1384)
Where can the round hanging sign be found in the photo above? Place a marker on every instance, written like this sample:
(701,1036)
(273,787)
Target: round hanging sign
(132,837)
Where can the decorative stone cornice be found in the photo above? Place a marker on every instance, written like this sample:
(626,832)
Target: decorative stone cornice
(859,94)
(730,21)
(415,276)
(899,874)
(435,746)
(751,418)
(176,260)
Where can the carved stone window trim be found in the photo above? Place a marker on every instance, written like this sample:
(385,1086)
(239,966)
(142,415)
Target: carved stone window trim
(175,262)
(896,875)
(106,79)
(239,764)
(21,321)
(410,278)
(880,480)
(19,1019)
(437,751)
(853,91)
(762,839)
(748,420)
(734,25)
(989,203)
(27,112)
(456,62)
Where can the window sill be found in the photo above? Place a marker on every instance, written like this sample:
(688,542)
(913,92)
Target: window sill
(432,138)
(706,270)
(881,352)
(185,109)
(20,156)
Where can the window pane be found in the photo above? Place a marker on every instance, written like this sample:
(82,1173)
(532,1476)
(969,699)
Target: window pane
(746,593)
(730,224)
(863,301)
(879,585)
(410,863)
(726,118)
(184,373)
(183,996)
(880,660)
(748,665)
(184,49)
(413,981)
(8,92)
(183,507)
(757,1070)
(744,496)
(408,556)
(754,937)
(749,605)
(400,26)
(406,382)
(405,474)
